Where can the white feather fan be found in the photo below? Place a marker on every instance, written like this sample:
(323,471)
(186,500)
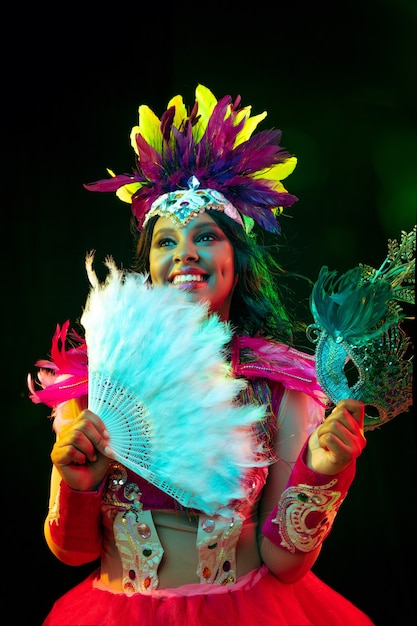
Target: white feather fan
(159,380)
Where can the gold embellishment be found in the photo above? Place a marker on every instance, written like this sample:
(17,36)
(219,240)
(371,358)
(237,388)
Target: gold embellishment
(216,544)
(134,532)
(140,549)
(296,504)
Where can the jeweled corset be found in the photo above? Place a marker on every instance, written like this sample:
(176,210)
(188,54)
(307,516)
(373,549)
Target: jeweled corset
(128,502)
(126,499)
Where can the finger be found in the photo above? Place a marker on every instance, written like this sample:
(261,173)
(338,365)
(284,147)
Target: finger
(101,442)
(95,419)
(342,434)
(81,440)
(97,434)
(64,454)
(355,408)
(74,446)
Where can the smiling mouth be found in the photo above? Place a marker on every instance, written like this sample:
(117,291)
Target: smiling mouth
(182,279)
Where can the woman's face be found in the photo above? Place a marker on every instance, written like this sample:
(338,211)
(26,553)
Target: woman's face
(197,258)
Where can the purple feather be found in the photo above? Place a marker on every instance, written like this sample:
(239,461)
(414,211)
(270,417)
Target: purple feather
(214,160)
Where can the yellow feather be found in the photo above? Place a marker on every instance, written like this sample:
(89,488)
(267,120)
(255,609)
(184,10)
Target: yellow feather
(180,110)
(206,102)
(279,171)
(126,192)
(250,124)
(149,128)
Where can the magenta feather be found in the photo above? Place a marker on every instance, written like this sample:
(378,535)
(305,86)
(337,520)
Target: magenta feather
(278,362)
(64,376)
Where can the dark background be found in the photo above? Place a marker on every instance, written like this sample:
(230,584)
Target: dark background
(340,81)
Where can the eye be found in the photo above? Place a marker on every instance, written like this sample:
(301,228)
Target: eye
(164,242)
(208,236)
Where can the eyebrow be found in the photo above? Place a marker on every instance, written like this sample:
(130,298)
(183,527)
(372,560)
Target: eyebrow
(198,227)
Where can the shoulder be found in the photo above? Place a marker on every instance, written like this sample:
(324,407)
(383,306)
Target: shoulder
(256,357)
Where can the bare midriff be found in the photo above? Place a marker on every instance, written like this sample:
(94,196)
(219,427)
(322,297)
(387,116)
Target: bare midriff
(177,532)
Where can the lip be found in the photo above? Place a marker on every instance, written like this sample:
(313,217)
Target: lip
(190,285)
(191,272)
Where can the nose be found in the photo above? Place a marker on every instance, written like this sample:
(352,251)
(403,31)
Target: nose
(185,252)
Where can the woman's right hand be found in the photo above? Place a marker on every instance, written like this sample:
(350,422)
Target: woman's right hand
(81,454)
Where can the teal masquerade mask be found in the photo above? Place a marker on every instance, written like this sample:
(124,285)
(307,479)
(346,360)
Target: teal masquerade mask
(361,350)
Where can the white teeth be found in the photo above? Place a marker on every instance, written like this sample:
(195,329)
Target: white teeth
(187,278)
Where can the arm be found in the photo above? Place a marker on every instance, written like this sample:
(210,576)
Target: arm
(326,457)
(72,527)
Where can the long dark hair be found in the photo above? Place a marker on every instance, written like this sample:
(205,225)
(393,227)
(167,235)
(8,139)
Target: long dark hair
(256,308)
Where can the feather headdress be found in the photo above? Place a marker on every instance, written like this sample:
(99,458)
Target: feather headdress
(362,352)
(211,147)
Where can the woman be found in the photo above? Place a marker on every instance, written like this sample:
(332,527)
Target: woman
(200,184)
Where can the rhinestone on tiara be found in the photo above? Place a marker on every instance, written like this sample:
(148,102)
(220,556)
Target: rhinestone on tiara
(181,206)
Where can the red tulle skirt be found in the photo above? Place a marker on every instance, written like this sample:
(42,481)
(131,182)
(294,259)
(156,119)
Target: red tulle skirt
(257,598)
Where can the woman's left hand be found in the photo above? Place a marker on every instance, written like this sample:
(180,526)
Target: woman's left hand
(339,440)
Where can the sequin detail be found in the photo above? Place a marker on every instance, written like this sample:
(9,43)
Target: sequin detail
(140,555)
(216,544)
(183,205)
(117,477)
(296,504)
(140,548)
(134,532)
